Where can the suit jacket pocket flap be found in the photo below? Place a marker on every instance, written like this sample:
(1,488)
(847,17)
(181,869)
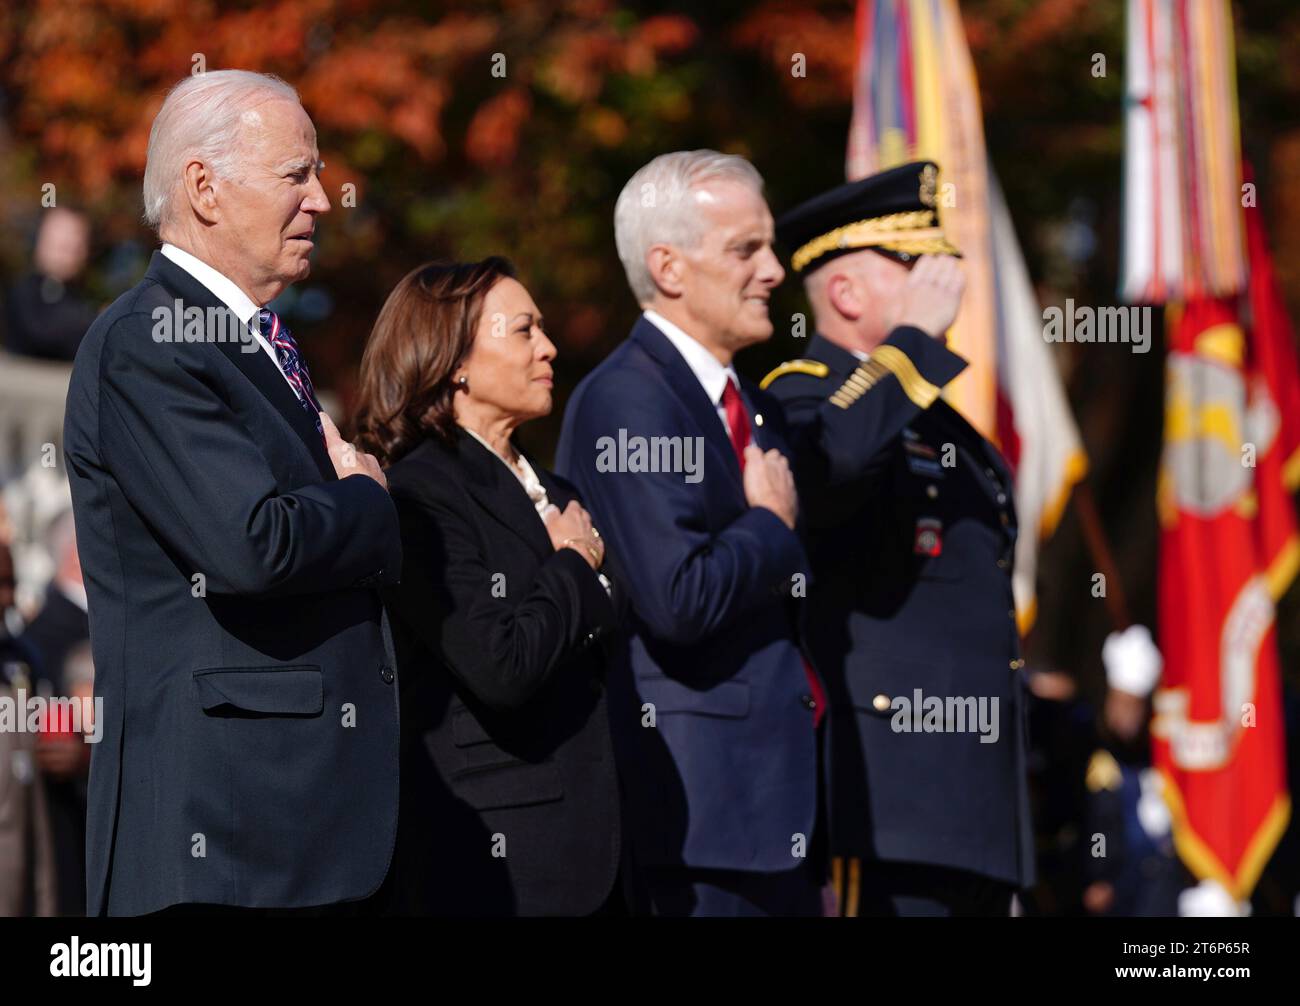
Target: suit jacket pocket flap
(515,785)
(873,677)
(668,695)
(283,690)
(466,730)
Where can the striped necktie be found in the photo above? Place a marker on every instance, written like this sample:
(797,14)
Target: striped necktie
(291,362)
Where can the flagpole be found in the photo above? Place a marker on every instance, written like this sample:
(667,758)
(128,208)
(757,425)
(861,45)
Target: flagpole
(1094,535)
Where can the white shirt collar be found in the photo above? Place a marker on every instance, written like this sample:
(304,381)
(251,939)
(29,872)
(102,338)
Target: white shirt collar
(525,473)
(706,367)
(222,286)
(225,290)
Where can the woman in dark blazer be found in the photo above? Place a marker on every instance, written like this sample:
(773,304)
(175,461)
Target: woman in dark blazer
(502,620)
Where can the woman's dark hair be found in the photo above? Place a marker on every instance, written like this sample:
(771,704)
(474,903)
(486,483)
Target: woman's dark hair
(424,331)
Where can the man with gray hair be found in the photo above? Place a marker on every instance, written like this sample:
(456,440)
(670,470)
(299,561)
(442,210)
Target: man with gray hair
(232,545)
(682,464)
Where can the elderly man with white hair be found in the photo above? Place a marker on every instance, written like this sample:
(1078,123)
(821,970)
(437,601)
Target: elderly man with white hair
(682,464)
(232,546)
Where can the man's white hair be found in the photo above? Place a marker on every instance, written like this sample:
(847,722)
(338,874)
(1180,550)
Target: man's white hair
(655,207)
(203,117)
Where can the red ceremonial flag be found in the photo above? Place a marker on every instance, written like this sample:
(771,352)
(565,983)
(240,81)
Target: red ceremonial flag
(1228,550)
(1275,383)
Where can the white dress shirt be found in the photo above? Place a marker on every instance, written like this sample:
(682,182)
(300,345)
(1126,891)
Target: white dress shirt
(533,487)
(526,476)
(226,291)
(706,367)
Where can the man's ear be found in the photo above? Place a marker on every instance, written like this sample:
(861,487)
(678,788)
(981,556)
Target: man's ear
(842,292)
(198,181)
(666,268)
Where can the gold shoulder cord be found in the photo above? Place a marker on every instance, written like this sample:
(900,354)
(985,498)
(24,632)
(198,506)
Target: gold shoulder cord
(810,367)
(884,361)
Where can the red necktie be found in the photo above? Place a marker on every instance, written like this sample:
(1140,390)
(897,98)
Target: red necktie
(738,425)
(737,420)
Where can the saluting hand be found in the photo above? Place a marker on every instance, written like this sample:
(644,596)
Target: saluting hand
(932,295)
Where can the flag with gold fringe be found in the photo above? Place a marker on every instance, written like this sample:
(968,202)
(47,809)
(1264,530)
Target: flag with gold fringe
(1182,154)
(916,97)
(1228,550)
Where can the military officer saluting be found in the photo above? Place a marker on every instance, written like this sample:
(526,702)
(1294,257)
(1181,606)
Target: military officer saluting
(911,529)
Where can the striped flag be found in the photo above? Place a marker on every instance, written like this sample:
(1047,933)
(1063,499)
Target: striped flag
(916,97)
(1182,154)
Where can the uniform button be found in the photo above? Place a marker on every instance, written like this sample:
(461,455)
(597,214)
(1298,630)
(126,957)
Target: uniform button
(880,703)
(1018,663)
(1002,498)
(1006,521)
(758,419)
(808,701)
(990,473)
(1002,564)
(932,491)
(386,673)
(1011,613)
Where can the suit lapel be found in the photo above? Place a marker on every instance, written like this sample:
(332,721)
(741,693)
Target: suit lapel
(491,483)
(972,437)
(268,379)
(758,435)
(556,491)
(686,386)
(254,363)
(950,422)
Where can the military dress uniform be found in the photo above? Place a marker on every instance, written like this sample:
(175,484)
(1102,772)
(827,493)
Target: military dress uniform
(911,528)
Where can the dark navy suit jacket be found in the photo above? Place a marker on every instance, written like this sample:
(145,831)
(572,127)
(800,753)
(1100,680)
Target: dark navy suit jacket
(249,750)
(720,760)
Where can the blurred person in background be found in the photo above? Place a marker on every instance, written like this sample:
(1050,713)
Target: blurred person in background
(60,636)
(1062,735)
(45,312)
(503,623)
(1131,867)
(27,875)
(61,622)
